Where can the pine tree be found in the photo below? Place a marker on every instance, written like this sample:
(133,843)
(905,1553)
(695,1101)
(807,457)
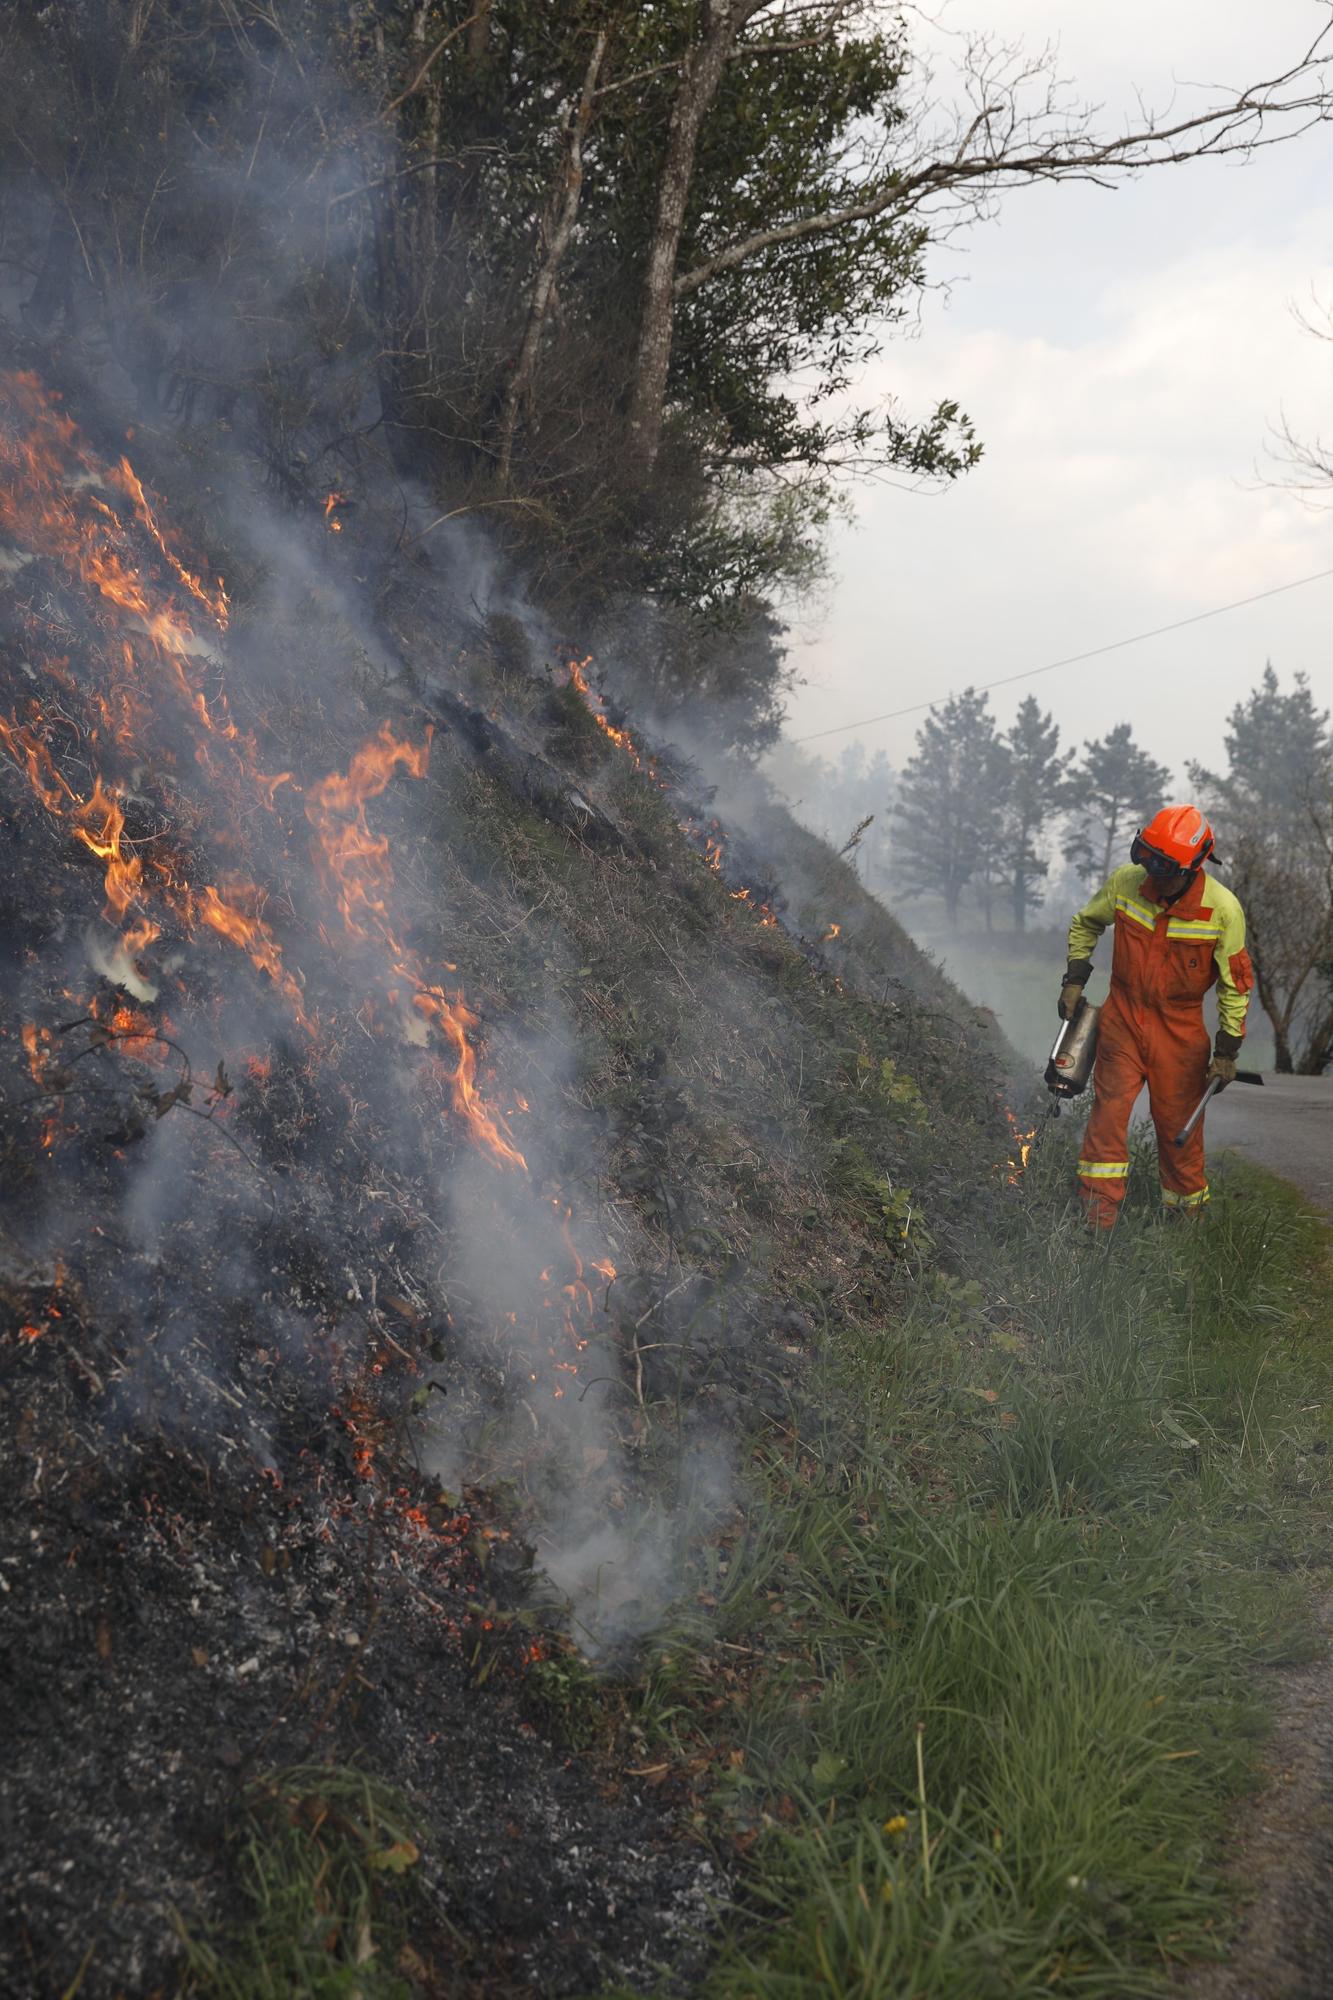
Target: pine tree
(1035,794)
(1273,818)
(950,801)
(1116,788)
(995,778)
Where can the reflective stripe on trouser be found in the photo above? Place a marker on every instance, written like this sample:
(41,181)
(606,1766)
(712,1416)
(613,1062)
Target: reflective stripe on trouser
(1195,1200)
(1167,1048)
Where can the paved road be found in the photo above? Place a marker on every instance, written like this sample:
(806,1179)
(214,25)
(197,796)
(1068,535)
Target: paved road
(1287,1126)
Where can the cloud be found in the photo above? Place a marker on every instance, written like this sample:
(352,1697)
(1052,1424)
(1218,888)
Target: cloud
(1119,491)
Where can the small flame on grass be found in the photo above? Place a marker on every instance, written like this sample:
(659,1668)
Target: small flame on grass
(1023,1143)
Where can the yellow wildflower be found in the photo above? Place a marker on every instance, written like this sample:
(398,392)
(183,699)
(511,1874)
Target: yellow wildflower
(898,1824)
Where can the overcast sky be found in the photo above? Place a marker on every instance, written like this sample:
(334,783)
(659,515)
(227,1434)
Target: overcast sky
(1124,356)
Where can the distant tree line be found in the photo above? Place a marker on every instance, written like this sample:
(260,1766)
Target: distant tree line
(973,810)
(559,262)
(975,805)
(977,813)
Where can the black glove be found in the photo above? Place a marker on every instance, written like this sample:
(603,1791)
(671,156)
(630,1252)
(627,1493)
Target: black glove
(1077,974)
(1222,1068)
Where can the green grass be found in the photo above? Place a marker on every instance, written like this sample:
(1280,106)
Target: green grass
(1066,1530)
(322,1856)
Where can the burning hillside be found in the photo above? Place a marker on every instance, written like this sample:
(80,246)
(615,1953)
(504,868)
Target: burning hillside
(393,1154)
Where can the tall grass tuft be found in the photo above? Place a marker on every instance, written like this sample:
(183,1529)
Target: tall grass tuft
(1006,1617)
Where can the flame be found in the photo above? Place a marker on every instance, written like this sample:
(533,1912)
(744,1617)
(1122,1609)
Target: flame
(139,1034)
(38,1046)
(358,871)
(1023,1143)
(214,600)
(233,912)
(833,931)
(58,502)
(714,840)
(130,747)
(36,1042)
(596,706)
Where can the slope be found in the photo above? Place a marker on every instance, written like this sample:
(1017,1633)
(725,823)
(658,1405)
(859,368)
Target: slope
(425,1174)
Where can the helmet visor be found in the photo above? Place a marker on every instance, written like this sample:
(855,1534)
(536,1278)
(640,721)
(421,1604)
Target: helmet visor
(1160,866)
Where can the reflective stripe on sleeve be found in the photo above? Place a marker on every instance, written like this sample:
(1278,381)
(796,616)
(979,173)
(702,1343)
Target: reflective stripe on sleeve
(1104,1170)
(1195,1200)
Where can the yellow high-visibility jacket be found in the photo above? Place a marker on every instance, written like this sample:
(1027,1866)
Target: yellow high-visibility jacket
(1169,955)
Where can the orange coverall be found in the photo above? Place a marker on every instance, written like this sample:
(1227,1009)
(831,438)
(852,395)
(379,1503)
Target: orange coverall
(1152,1030)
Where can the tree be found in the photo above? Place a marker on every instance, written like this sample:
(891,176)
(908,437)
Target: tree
(1274,824)
(994,779)
(949,807)
(1035,794)
(1117,787)
(565,210)
(893,182)
(601,274)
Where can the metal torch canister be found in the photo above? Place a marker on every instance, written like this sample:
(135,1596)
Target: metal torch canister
(1075,1051)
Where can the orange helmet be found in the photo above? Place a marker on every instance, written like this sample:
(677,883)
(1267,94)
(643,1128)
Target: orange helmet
(1176,837)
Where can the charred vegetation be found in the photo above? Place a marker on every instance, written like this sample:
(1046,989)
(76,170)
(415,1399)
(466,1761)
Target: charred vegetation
(434,1145)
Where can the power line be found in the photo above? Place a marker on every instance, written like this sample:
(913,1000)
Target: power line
(1072,659)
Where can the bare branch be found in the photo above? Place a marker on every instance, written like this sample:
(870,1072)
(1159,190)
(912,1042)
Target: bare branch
(1002,147)
(428,65)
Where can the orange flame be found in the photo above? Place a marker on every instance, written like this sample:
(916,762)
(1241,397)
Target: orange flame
(142,664)
(1023,1142)
(357,869)
(597,709)
(57,501)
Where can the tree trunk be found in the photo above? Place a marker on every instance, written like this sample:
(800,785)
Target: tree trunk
(700,75)
(1279,1017)
(478,35)
(427,191)
(566,215)
(1318,1051)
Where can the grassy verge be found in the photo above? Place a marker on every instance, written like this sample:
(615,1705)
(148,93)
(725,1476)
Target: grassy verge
(322,1861)
(977,1687)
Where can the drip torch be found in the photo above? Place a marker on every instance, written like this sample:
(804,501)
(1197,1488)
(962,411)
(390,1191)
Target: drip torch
(1075,1051)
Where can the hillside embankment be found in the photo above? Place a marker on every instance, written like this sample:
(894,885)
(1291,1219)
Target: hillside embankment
(561,1434)
(434,1155)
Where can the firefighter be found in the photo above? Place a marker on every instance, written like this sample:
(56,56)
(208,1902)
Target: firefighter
(1177,932)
